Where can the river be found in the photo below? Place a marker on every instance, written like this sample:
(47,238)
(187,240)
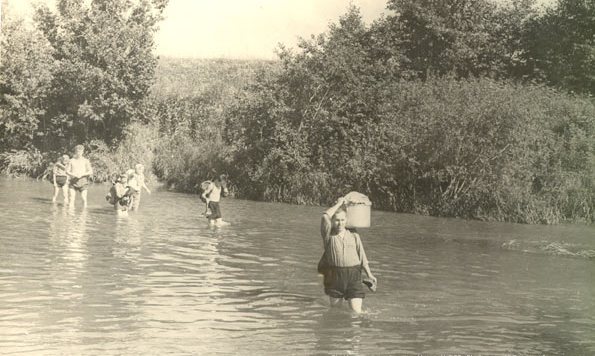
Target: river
(161,281)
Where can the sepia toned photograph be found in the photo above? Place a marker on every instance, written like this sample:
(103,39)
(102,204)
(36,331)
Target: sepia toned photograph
(297,177)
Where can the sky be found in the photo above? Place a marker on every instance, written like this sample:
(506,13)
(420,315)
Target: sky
(239,29)
(248,28)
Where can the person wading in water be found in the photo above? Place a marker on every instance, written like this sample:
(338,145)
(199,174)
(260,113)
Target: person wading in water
(344,259)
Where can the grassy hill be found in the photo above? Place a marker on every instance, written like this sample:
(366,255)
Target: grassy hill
(191,77)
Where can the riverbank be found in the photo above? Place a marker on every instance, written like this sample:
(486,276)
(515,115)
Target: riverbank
(474,148)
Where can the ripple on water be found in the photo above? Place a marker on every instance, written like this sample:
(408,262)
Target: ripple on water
(161,281)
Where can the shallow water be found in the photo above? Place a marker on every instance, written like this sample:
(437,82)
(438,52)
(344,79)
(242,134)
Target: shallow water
(161,281)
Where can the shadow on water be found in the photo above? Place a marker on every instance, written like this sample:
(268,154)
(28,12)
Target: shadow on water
(42,200)
(267,294)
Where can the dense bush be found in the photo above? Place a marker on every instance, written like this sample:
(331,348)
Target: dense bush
(471,148)
(190,150)
(191,100)
(26,162)
(137,146)
(483,149)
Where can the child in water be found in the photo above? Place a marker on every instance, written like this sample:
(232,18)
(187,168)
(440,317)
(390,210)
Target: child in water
(203,187)
(136,182)
(60,178)
(119,195)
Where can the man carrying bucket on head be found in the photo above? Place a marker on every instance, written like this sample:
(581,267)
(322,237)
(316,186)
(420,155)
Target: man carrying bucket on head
(344,259)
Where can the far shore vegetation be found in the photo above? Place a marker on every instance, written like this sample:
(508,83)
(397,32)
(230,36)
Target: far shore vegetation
(474,109)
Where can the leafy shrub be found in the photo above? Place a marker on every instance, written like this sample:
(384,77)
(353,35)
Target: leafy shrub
(485,149)
(28,162)
(137,146)
(475,148)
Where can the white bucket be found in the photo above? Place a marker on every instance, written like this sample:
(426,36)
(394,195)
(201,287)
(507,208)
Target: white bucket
(358,210)
(358,215)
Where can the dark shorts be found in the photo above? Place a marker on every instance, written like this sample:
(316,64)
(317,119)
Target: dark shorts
(79,184)
(61,180)
(344,282)
(120,206)
(123,203)
(215,210)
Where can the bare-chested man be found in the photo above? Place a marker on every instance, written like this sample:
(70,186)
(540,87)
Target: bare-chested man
(79,170)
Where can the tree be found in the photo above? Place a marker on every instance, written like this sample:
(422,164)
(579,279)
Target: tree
(464,37)
(26,73)
(105,66)
(560,46)
(319,109)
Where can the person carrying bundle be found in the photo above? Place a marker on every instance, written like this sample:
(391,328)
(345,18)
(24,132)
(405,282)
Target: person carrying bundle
(211,195)
(120,195)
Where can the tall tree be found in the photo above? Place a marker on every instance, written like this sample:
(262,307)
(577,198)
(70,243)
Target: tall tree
(26,72)
(106,66)
(560,46)
(464,37)
(326,92)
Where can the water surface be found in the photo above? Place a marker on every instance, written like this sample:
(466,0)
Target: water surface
(161,281)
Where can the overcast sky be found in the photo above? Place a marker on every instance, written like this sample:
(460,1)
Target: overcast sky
(240,28)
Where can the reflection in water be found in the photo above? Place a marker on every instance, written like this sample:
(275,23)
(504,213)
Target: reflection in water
(76,237)
(127,237)
(339,332)
(67,236)
(84,281)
